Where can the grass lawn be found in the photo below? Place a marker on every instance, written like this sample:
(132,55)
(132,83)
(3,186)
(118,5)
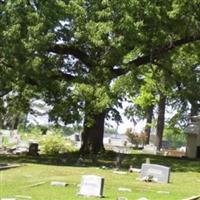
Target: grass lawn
(184,180)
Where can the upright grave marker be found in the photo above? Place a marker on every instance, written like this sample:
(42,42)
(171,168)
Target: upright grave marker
(33,149)
(92,185)
(157,173)
(150,149)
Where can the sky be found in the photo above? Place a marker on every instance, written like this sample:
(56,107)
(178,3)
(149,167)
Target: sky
(126,123)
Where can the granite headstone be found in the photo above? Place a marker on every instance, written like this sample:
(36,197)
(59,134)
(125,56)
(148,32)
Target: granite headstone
(92,185)
(150,149)
(157,173)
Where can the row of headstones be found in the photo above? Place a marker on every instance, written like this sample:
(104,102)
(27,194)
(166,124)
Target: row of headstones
(92,185)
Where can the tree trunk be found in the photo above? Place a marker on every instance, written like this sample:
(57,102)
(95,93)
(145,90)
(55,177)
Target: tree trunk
(149,117)
(92,135)
(194,109)
(160,121)
(15,122)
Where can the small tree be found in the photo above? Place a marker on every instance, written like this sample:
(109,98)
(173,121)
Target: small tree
(135,138)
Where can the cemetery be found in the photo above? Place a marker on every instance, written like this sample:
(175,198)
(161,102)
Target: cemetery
(99,99)
(48,166)
(122,172)
(57,177)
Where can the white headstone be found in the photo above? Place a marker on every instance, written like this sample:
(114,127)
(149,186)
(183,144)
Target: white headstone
(122,198)
(92,185)
(58,183)
(157,173)
(15,139)
(122,149)
(150,149)
(121,189)
(6,133)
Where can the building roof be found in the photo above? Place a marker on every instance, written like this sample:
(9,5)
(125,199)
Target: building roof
(192,128)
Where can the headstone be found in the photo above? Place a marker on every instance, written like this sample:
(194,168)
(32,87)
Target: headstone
(10,137)
(8,166)
(122,198)
(121,149)
(157,173)
(132,169)
(150,149)
(148,161)
(15,139)
(6,133)
(23,197)
(121,189)
(118,161)
(163,192)
(33,149)
(22,147)
(119,172)
(92,185)
(58,183)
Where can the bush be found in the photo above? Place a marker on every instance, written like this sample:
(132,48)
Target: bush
(55,144)
(135,138)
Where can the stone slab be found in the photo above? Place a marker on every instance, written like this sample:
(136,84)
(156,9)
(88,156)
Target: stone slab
(158,173)
(92,185)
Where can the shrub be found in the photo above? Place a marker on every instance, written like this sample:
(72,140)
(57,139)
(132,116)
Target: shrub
(55,144)
(135,138)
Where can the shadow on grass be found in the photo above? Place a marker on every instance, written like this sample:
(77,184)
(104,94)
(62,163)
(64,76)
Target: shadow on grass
(106,159)
(176,164)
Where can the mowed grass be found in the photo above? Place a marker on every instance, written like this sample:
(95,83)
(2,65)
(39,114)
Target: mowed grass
(22,181)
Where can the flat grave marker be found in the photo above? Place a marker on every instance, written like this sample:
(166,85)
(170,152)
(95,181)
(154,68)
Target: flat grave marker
(122,198)
(4,166)
(58,183)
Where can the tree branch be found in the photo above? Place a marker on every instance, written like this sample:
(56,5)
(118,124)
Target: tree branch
(156,53)
(4,92)
(59,75)
(63,76)
(164,49)
(72,50)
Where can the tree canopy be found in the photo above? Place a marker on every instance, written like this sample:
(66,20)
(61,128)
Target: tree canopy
(72,53)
